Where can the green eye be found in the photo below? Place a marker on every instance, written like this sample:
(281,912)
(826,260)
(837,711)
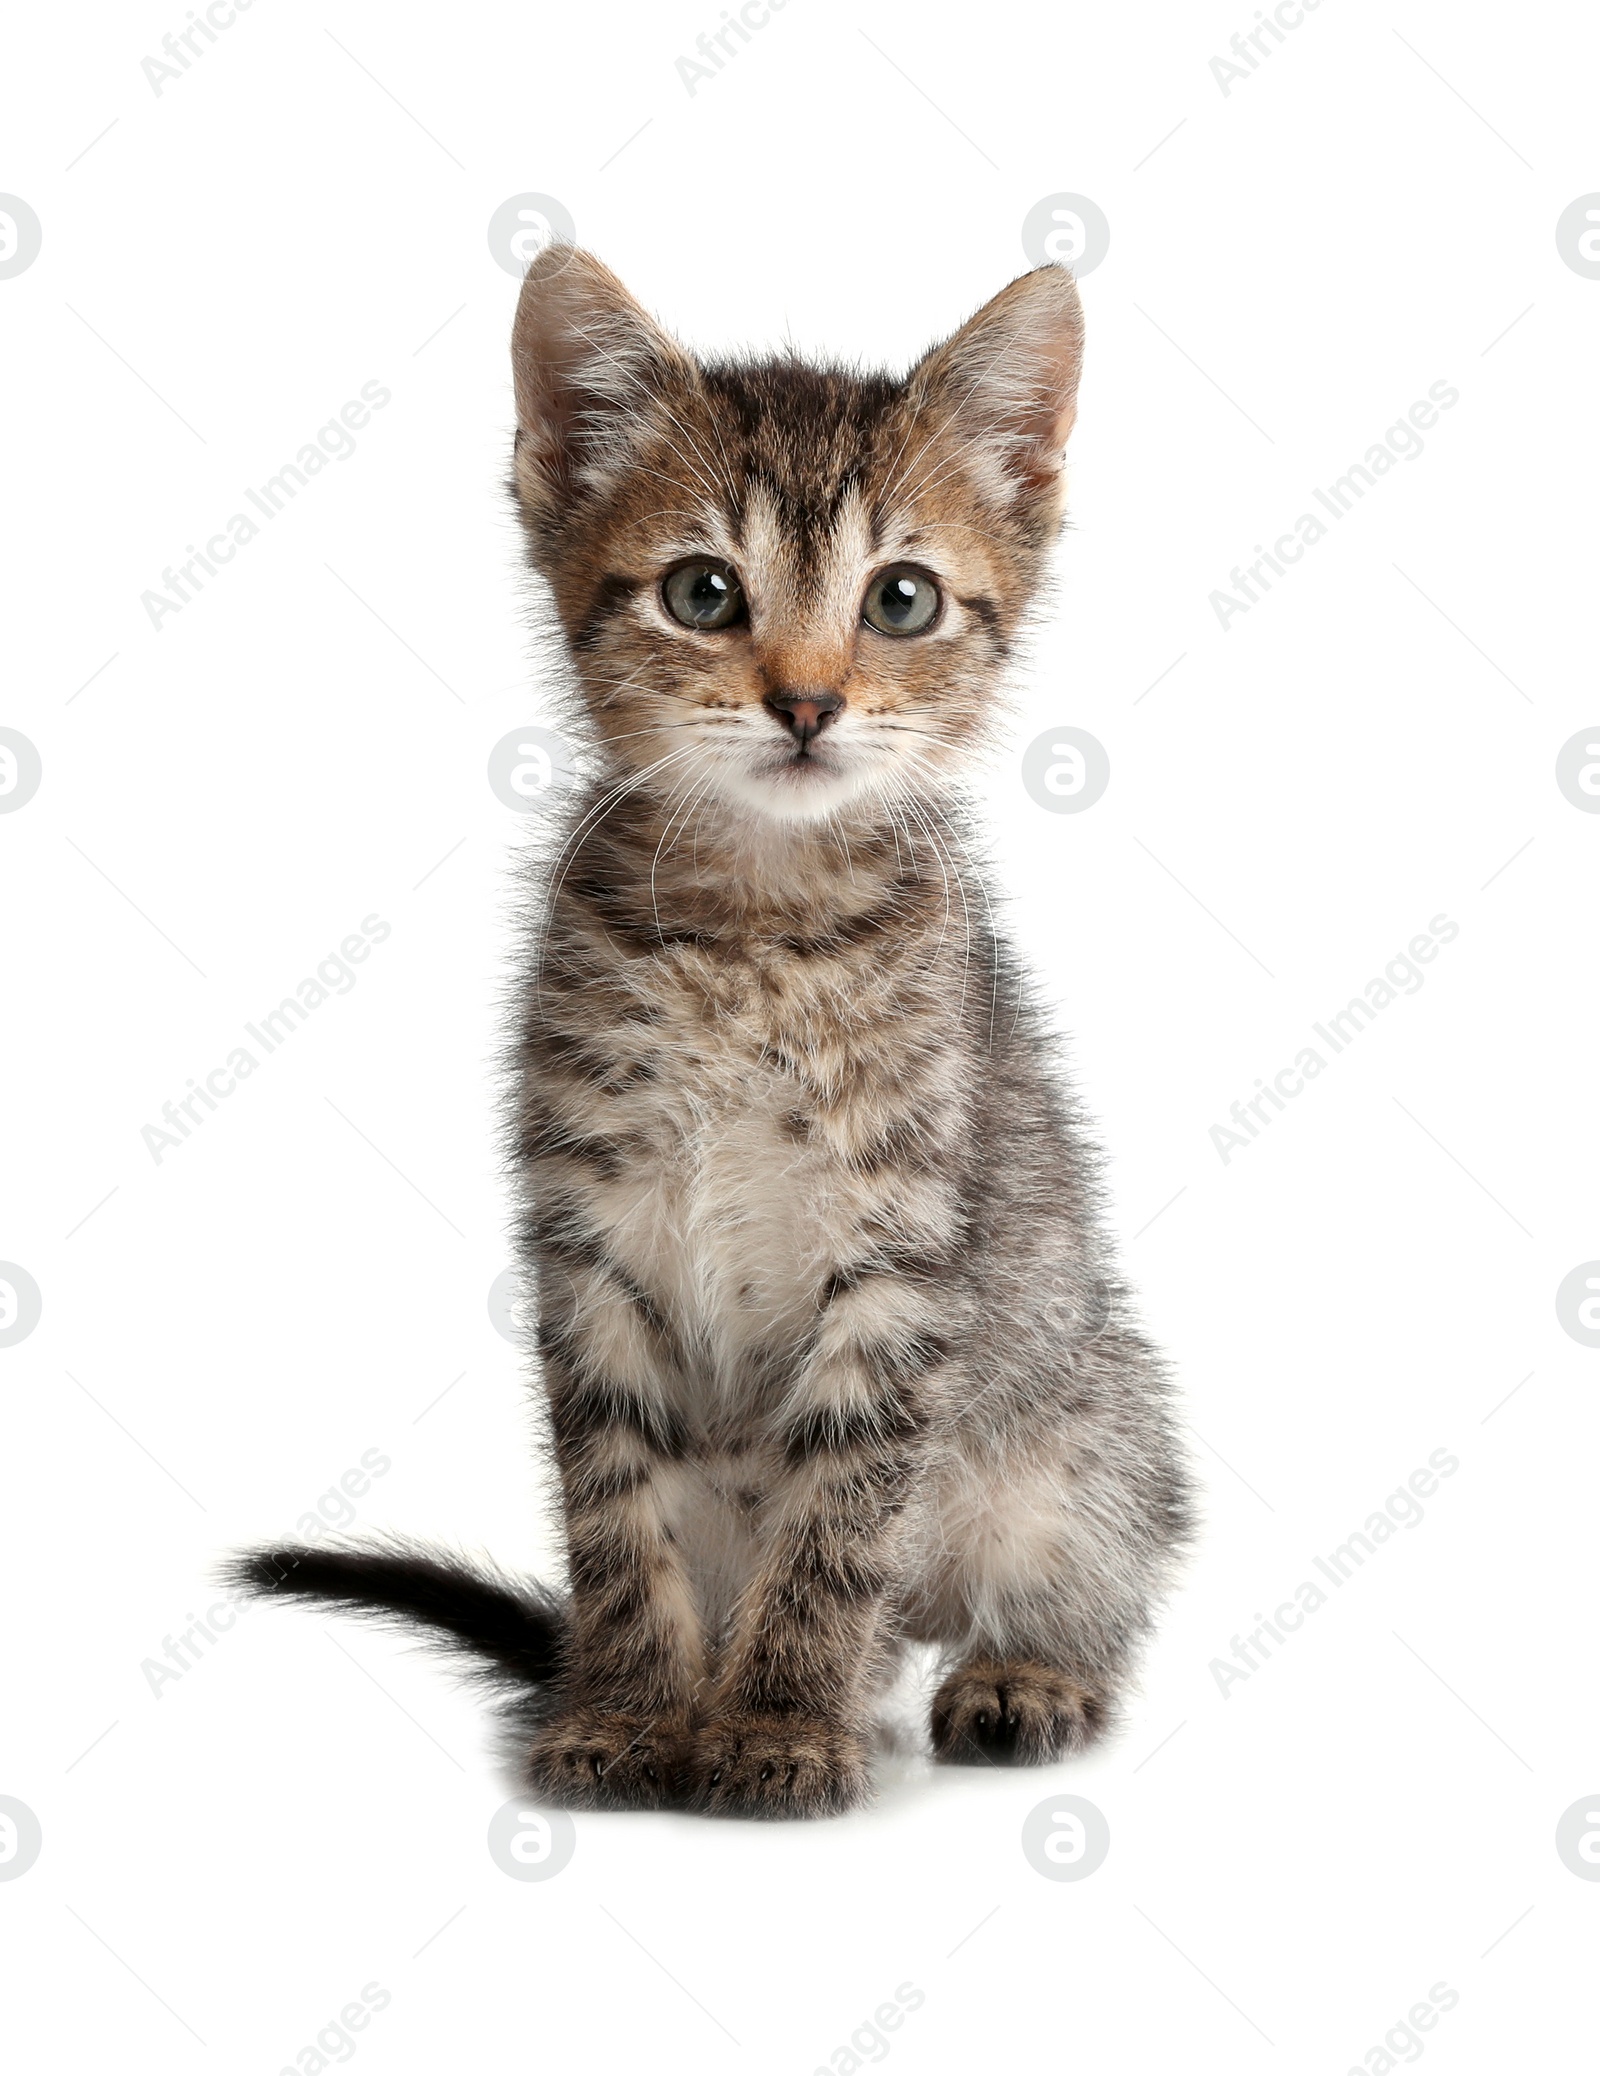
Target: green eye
(703,594)
(902,600)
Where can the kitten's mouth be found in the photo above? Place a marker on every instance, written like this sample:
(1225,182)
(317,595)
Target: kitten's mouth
(802,780)
(808,758)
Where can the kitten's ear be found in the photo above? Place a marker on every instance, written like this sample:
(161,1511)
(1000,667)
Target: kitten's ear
(590,369)
(1007,383)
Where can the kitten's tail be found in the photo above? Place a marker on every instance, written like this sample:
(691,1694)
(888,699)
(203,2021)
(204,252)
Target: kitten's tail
(512,1628)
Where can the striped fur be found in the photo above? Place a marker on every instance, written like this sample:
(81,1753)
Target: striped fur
(834,1355)
(811,1226)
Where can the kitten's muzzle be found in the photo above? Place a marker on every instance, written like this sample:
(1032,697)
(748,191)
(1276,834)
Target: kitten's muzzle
(805,714)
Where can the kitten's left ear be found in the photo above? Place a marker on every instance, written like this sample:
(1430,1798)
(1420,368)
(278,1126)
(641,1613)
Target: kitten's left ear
(1007,383)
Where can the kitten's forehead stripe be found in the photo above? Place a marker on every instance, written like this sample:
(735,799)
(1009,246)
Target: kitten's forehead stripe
(809,437)
(811,482)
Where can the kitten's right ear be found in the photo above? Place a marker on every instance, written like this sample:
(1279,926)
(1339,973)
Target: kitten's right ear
(589,366)
(1008,383)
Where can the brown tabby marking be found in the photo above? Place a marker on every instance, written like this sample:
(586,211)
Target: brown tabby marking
(812,1233)
(835,1355)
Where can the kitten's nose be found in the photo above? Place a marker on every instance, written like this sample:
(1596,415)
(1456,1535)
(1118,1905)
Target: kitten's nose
(805,714)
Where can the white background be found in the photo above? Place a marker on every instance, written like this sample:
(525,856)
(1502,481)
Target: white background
(1293,1864)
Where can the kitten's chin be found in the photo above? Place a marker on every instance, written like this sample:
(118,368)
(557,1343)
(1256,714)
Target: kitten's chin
(797,789)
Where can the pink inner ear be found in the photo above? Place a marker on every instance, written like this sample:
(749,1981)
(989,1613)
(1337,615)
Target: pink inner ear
(584,357)
(1009,377)
(548,356)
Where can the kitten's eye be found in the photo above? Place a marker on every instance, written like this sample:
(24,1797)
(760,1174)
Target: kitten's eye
(901,601)
(703,594)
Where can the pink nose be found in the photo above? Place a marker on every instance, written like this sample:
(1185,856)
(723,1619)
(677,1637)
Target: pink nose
(805,714)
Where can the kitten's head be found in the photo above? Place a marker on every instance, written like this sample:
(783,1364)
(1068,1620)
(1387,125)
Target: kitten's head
(785,587)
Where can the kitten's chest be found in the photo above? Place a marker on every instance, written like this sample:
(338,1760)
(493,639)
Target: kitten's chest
(744,1111)
(735,1187)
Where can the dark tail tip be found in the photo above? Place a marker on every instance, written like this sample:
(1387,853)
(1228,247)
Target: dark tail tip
(513,1628)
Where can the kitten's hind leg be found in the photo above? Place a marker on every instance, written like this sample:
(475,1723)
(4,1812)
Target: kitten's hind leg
(1013,1712)
(1038,1572)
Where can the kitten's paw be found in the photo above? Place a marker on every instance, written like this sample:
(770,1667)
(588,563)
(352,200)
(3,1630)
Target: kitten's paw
(777,1766)
(588,1758)
(1013,1713)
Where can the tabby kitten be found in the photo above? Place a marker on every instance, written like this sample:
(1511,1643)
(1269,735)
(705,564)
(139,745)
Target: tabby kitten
(834,1356)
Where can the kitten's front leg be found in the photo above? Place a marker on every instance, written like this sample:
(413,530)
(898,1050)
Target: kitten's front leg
(634,1656)
(786,1733)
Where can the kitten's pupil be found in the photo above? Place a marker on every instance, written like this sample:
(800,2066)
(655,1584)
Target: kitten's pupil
(703,594)
(901,601)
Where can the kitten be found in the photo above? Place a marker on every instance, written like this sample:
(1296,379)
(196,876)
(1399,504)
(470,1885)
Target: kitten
(834,1355)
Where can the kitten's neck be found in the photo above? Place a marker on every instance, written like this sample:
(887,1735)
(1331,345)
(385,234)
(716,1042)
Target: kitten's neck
(722,871)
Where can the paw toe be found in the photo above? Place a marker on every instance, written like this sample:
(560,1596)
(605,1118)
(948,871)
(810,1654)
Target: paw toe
(777,1767)
(590,1760)
(1013,1715)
